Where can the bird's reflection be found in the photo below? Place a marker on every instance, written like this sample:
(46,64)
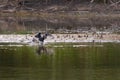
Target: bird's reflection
(44,50)
(41,49)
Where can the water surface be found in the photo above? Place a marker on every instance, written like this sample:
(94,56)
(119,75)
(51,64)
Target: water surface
(61,63)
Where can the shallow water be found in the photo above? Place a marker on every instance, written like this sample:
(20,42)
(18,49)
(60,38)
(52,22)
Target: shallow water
(60,63)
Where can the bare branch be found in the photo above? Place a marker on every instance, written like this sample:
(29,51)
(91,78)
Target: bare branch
(114,4)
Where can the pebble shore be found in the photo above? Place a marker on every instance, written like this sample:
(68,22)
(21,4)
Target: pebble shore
(28,38)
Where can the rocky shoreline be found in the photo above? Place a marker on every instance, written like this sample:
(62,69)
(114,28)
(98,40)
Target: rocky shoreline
(56,38)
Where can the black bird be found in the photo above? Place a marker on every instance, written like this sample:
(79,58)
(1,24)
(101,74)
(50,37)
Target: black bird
(41,38)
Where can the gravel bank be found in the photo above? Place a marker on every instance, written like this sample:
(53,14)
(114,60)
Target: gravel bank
(28,38)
